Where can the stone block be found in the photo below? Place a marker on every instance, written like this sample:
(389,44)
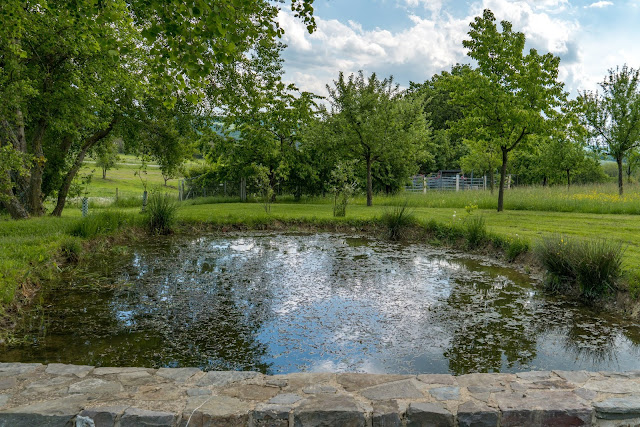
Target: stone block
(405,389)
(135,417)
(79,371)
(386,414)
(105,416)
(329,410)
(196,391)
(108,370)
(135,378)
(14,369)
(95,386)
(485,380)
(179,375)
(443,379)
(55,412)
(216,411)
(618,408)
(270,416)
(471,414)
(445,393)
(285,399)
(613,385)
(251,392)
(538,407)
(575,377)
(429,414)
(355,382)
(223,378)
(319,389)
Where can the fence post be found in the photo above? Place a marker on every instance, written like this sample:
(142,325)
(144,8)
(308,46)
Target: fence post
(116,194)
(484,182)
(424,184)
(457,182)
(243,189)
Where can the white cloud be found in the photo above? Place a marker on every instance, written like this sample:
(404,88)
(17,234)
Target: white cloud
(432,42)
(599,4)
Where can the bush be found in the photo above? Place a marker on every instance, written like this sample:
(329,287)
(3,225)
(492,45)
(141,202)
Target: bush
(587,267)
(475,231)
(161,213)
(102,223)
(397,221)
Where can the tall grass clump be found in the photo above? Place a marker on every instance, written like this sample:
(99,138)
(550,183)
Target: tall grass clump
(589,268)
(398,220)
(101,223)
(475,231)
(161,214)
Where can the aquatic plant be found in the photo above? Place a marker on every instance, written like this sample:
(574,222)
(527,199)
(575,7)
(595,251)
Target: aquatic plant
(161,213)
(397,220)
(101,223)
(588,267)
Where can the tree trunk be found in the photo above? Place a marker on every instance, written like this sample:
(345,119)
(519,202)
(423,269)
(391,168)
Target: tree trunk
(568,179)
(619,161)
(544,181)
(503,176)
(34,193)
(13,205)
(104,174)
(66,184)
(369,183)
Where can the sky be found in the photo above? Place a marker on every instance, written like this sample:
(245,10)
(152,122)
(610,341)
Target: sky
(415,39)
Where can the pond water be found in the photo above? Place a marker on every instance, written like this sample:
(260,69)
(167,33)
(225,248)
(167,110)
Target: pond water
(320,302)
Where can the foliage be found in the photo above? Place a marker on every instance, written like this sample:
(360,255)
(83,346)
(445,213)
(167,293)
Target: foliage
(590,267)
(398,220)
(161,213)
(508,96)
(613,117)
(376,123)
(102,223)
(106,156)
(342,185)
(71,249)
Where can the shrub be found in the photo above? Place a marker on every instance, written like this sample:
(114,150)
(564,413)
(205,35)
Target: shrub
(161,213)
(397,221)
(475,231)
(102,223)
(588,267)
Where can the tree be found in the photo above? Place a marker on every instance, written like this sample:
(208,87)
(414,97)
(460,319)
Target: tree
(633,161)
(508,96)
(73,73)
(374,121)
(106,156)
(613,117)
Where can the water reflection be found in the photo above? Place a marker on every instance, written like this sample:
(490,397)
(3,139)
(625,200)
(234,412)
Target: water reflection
(283,303)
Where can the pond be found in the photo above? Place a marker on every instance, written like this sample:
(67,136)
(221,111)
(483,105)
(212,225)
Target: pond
(313,302)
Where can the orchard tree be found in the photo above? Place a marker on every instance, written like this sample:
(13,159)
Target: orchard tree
(509,95)
(106,156)
(613,116)
(374,121)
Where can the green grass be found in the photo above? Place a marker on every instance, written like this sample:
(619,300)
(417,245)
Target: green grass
(602,198)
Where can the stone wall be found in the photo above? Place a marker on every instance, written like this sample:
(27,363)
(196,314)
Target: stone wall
(69,395)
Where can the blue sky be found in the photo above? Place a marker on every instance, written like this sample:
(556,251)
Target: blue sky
(414,39)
